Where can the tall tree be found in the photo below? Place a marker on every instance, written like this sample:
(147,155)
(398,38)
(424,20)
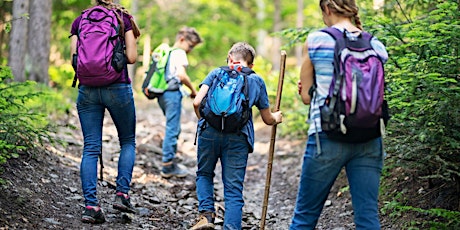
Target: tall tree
(299,24)
(5,18)
(277,26)
(18,39)
(261,32)
(37,58)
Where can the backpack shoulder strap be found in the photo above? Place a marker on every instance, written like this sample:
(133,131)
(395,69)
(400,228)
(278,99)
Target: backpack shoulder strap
(225,68)
(366,36)
(247,71)
(121,23)
(334,32)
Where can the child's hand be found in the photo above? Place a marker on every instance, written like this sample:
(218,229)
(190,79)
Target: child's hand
(278,116)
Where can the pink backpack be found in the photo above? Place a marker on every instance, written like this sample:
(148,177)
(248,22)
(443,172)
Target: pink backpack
(100,56)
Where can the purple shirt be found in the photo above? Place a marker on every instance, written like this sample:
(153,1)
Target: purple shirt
(128,27)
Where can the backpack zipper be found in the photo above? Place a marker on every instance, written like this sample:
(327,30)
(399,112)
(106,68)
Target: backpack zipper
(354,93)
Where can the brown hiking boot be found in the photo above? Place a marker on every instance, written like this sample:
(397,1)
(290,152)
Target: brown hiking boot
(206,221)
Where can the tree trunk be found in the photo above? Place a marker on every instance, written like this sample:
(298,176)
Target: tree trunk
(37,59)
(18,39)
(132,68)
(261,48)
(299,24)
(5,12)
(276,41)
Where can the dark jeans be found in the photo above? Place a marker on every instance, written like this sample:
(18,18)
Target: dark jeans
(91,105)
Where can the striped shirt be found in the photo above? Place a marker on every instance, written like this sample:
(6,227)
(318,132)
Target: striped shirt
(321,51)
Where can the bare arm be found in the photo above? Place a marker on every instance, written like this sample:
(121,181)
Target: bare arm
(270,118)
(73,45)
(306,77)
(199,97)
(131,48)
(185,79)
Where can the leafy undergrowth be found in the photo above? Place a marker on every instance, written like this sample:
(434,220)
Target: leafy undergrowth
(418,202)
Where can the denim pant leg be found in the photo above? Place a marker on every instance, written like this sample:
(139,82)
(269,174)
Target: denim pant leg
(363,172)
(234,161)
(91,115)
(120,103)
(207,157)
(319,172)
(171,104)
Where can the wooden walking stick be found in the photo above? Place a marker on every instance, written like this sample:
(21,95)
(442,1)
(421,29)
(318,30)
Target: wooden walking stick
(272,140)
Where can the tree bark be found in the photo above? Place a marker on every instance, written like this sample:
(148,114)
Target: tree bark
(299,24)
(37,59)
(18,39)
(261,33)
(276,40)
(132,67)
(5,12)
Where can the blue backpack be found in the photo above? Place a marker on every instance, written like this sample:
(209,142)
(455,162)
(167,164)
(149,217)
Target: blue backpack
(226,105)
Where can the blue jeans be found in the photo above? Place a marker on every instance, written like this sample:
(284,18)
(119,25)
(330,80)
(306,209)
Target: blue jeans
(171,104)
(232,150)
(91,105)
(363,163)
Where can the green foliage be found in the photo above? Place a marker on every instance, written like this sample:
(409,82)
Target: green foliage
(423,76)
(294,36)
(295,113)
(438,218)
(62,78)
(23,124)
(423,79)
(293,125)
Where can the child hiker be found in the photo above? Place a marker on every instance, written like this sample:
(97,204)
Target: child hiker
(171,100)
(232,148)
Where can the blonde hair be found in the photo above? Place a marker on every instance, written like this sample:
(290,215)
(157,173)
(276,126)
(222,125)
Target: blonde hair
(113,6)
(344,8)
(243,51)
(190,34)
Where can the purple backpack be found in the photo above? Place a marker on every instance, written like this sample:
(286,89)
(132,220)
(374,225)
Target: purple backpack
(355,110)
(100,55)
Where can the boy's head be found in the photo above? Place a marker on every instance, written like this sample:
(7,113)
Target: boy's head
(243,53)
(187,38)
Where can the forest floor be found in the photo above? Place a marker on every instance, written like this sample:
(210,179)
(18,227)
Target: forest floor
(42,190)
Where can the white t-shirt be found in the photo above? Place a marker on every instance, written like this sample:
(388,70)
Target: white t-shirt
(177,58)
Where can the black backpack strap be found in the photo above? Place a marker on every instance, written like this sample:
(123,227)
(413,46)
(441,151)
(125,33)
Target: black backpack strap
(246,71)
(339,38)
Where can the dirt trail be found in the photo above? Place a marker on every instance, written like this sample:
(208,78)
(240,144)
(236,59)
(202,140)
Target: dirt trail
(44,192)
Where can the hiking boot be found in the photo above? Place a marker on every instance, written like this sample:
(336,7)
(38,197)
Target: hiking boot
(173,169)
(206,221)
(123,203)
(93,215)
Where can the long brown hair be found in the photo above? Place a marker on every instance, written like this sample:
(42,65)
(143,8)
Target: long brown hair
(344,8)
(111,5)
